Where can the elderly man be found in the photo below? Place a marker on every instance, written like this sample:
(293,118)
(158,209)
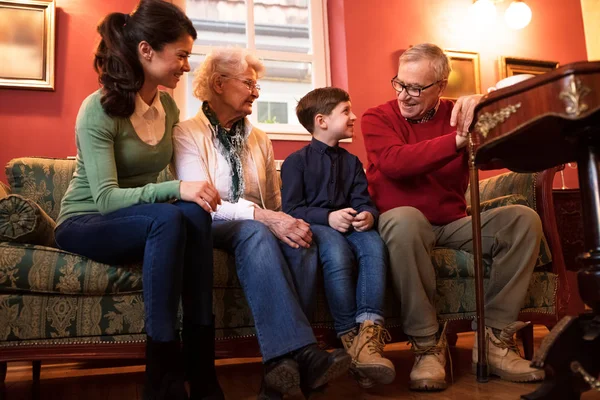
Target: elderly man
(418,176)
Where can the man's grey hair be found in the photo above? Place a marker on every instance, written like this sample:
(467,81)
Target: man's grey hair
(230,61)
(428,51)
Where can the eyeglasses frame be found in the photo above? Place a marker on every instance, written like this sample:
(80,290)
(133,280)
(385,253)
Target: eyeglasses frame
(405,87)
(251,85)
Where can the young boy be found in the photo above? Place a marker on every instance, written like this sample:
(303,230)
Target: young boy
(325,185)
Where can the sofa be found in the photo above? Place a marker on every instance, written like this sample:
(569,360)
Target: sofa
(56,305)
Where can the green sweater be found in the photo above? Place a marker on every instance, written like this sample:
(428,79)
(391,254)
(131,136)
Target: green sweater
(115,168)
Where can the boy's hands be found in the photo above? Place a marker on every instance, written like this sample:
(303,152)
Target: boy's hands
(341,220)
(363,221)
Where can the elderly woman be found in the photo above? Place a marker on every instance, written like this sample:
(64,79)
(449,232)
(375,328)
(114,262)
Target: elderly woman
(276,263)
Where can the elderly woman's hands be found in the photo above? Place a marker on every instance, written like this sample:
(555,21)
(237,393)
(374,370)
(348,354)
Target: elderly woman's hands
(293,232)
(200,192)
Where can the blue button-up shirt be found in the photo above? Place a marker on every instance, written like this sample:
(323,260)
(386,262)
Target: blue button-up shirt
(319,179)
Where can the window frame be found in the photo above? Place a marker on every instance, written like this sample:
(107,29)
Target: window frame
(321,74)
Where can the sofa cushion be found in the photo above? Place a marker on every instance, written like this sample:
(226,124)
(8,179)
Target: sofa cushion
(43,180)
(39,269)
(455,298)
(23,221)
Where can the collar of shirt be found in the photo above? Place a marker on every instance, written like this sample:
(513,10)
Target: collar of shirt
(323,147)
(427,117)
(152,111)
(200,115)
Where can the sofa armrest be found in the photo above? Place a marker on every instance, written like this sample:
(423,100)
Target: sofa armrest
(509,183)
(537,189)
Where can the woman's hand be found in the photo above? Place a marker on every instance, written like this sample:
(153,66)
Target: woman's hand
(202,193)
(293,232)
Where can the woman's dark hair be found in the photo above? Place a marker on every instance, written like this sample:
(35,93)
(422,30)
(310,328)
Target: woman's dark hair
(116,60)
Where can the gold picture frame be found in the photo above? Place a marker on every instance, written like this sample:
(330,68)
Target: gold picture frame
(27,39)
(464,78)
(509,66)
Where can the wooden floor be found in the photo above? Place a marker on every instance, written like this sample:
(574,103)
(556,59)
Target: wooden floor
(240,379)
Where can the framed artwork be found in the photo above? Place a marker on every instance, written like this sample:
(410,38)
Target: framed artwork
(509,66)
(27,44)
(464,78)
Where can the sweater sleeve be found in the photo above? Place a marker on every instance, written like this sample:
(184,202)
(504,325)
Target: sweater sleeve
(394,157)
(272,198)
(292,194)
(359,197)
(95,137)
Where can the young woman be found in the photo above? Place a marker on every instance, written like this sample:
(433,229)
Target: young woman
(114,211)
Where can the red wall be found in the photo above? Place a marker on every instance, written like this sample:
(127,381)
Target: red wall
(367,40)
(366,37)
(36,123)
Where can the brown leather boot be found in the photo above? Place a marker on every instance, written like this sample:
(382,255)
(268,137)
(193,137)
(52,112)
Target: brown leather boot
(317,366)
(367,353)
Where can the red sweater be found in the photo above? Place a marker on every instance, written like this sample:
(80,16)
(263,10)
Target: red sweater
(415,165)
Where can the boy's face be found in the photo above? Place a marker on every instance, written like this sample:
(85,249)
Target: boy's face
(340,123)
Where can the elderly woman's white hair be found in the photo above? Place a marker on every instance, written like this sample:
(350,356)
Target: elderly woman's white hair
(439,60)
(229,61)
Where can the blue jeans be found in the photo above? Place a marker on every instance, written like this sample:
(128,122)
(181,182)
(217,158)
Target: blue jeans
(338,253)
(174,243)
(278,281)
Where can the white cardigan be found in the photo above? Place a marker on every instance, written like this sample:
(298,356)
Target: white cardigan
(196,159)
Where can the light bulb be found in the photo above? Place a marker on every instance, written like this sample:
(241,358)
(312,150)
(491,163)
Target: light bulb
(518,15)
(484,12)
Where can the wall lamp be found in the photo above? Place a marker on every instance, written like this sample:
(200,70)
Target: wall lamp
(517,15)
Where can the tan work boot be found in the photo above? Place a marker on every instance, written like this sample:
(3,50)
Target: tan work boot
(429,370)
(366,350)
(363,381)
(504,356)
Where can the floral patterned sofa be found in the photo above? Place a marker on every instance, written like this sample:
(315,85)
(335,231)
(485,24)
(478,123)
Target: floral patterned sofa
(55,305)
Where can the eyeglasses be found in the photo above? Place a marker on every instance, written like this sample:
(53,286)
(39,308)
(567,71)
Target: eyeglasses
(250,84)
(411,90)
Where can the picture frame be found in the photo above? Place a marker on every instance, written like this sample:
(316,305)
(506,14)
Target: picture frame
(464,78)
(27,44)
(509,66)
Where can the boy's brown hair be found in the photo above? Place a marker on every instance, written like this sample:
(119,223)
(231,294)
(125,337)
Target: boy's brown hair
(319,101)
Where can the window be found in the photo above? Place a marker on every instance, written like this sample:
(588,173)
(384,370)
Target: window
(289,36)
(272,112)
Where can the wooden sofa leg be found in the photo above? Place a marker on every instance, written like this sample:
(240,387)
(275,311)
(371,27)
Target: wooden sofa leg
(36,369)
(3,368)
(526,336)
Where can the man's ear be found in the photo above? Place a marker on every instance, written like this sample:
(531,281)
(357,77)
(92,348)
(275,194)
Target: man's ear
(145,50)
(320,121)
(443,85)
